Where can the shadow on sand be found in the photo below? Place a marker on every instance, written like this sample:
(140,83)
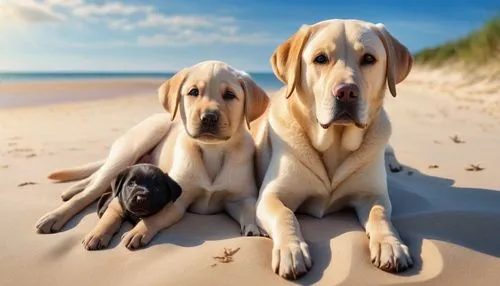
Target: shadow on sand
(424,207)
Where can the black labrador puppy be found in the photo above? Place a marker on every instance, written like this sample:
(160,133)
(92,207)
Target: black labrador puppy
(142,190)
(138,191)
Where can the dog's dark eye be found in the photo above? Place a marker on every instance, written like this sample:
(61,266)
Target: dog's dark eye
(367,60)
(194,92)
(321,59)
(228,95)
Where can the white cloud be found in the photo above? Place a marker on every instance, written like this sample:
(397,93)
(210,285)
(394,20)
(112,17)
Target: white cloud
(171,22)
(120,24)
(158,20)
(112,8)
(65,3)
(231,30)
(28,11)
(193,37)
(154,27)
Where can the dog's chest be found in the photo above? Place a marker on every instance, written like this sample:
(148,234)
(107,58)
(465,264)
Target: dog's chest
(203,178)
(209,197)
(212,162)
(326,199)
(332,159)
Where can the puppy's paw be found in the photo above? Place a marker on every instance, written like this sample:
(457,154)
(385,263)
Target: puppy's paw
(96,241)
(250,230)
(291,260)
(389,253)
(393,163)
(137,237)
(51,222)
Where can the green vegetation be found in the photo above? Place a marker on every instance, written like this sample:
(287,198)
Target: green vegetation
(477,48)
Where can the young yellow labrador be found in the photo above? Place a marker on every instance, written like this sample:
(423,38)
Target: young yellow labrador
(202,143)
(321,145)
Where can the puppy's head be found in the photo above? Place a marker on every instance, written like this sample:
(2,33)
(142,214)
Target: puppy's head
(144,189)
(339,69)
(213,100)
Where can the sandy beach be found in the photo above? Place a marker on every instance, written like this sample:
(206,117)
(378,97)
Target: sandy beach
(448,215)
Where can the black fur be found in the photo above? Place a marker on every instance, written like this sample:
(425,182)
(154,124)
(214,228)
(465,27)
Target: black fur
(142,190)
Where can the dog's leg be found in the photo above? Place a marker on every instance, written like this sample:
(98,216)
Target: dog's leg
(291,258)
(119,158)
(55,220)
(147,228)
(391,161)
(107,226)
(125,151)
(387,251)
(243,211)
(78,187)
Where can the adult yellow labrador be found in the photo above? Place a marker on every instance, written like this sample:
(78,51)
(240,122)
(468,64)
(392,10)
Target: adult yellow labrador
(206,149)
(320,146)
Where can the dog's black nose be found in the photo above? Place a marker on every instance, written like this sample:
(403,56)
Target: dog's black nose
(346,92)
(209,118)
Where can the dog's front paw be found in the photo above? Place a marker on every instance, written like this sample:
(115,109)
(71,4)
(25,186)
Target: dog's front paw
(389,253)
(51,222)
(393,163)
(291,260)
(96,241)
(250,230)
(138,237)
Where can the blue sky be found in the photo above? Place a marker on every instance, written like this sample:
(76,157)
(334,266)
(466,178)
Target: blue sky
(134,35)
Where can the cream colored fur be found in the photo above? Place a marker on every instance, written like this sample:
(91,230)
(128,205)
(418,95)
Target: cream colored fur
(214,171)
(304,167)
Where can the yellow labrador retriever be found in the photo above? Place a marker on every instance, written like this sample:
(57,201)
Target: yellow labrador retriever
(321,145)
(207,151)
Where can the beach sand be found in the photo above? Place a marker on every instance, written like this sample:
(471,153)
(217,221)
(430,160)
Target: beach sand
(449,217)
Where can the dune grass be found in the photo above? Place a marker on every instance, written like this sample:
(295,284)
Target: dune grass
(477,48)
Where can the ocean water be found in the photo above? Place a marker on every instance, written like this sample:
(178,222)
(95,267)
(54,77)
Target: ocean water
(265,80)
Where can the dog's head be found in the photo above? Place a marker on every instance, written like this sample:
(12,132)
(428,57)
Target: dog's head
(144,189)
(214,100)
(339,69)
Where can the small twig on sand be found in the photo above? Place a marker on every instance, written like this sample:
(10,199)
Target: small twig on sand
(474,168)
(433,166)
(26,184)
(457,139)
(228,255)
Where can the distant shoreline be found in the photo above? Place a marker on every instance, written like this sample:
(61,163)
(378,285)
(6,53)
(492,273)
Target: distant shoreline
(14,94)
(36,93)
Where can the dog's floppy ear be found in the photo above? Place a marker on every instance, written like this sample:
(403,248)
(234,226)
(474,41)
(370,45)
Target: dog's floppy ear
(286,59)
(169,92)
(399,60)
(256,99)
(175,189)
(102,204)
(119,181)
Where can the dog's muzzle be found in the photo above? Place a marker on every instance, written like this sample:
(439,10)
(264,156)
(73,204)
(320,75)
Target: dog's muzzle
(209,122)
(346,107)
